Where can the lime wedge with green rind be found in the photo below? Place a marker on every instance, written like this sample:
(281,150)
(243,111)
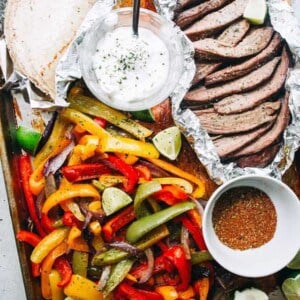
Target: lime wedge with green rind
(28,139)
(143,115)
(291,288)
(256,11)
(295,263)
(114,199)
(168,142)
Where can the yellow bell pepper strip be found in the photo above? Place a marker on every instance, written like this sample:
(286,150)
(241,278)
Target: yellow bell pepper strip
(202,287)
(58,135)
(95,206)
(95,228)
(200,256)
(187,294)
(80,263)
(108,181)
(46,268)
(94,107)
(182,183)
(48,243)
(168,292)
(198,192)
(117,275)
(81,288)
(128,159)
(57,293)
(139,228)
(113,256)
(109,143)
(83,190)
(76,241)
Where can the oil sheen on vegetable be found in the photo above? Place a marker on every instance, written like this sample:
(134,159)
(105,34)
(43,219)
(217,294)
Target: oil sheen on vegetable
(130,68)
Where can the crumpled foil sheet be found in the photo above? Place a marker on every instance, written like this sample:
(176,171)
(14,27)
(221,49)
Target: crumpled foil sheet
(285,22)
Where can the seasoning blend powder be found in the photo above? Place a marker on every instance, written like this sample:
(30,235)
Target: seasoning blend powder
(244,218)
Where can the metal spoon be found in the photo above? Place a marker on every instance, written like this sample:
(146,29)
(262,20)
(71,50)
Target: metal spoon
(135,17)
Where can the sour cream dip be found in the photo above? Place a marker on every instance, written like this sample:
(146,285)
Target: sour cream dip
(130,68)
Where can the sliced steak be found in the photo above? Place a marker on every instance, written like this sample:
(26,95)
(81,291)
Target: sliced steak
(232,36)
(233,72)
(239,85)
(242,102)
(261,159)
(229,124)
(217,20)
(253,43)
(195,13)
(183,4)
(228,144)
(272,135)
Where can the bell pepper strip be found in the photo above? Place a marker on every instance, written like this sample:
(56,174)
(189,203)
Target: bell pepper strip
(25,173)
(176,255)
(80,263)
(143,172)
(100,121)
(82,172)
(47,223)
(81,288)
(117,222)
(185,185)
(128,292)
(198,192)
(35,270)
(93,107)
(187,294)
(113,256)
(70,220)
(171,194)
(46,268)
(139,228)
(95,228)
(195,231)
(202,288)
(72,191)
(200,256)
(64,268)
(57,293)
(167,292)
(109,143)
(98,243)
(117,275)
(195,217)
(48,243)
(108,181)
(76,241)
(127,170)
(128,159)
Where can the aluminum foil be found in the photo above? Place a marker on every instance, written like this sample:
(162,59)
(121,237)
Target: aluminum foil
(285,22)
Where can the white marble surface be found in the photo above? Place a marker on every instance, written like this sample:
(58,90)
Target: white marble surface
(11,282)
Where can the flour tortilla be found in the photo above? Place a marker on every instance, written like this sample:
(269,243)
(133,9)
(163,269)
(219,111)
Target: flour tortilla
(38,32)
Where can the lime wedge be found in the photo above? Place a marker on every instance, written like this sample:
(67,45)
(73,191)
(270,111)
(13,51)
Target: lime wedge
(114,199)
(168,142)
(143,192)
(256,11)
(295,263)
(291,288)
(28,139)
(143,115)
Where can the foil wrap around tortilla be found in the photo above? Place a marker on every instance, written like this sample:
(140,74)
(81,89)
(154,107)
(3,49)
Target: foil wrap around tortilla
(283,20)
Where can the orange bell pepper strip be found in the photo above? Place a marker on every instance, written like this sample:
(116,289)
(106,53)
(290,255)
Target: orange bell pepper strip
(69,192)
(76,241)
(202,287)
(198,192)
(46,267)
(168,292)
(128,159)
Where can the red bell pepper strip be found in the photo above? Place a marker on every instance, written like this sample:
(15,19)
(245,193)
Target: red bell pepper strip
(176,255)
(143,172)
(171,194)
(127,170)
(70,220)
(25,172)
(128,292)
(64,269)
(31,239)
(110,228)
(195,231)
(100,121)
(84,171)
(47,223)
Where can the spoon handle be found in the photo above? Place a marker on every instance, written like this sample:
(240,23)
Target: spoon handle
(136,15)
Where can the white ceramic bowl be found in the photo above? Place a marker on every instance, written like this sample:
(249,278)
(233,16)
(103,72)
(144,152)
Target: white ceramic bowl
(164,29)
(275,254)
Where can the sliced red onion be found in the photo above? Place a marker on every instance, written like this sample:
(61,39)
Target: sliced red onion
(155,170)
(184,239)
(50,186)
(40,199)
(132,250)
(199,207)
(96,216)
(54,163)
(150,266)
(104,277)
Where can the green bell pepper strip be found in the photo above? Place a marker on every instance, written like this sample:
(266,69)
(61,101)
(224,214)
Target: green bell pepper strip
(117,275)
(80,263)
(200,256)
(113,256)
(144,225)
(94,107)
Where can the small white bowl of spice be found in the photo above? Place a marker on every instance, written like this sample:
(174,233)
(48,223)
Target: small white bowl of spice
(251,225)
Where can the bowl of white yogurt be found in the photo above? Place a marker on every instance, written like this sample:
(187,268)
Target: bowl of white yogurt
(130,72)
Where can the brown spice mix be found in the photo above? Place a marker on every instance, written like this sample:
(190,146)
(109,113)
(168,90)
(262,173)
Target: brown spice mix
(244,218)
